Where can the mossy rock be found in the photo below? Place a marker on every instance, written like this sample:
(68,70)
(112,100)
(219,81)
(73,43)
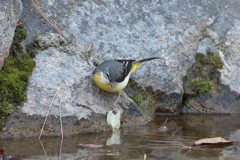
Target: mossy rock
(19,36)
(14,75)
(211,59)
(200,58)
(200,86)
(200,79)
(137,99)
(5,110)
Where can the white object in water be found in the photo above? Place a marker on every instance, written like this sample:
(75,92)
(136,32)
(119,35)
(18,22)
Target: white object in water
(113,120)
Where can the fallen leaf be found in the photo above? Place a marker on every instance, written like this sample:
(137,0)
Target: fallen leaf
(212,141)
(114,119)
(91,145)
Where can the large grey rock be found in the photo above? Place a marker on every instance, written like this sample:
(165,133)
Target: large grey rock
(56,70)
(230,74)
(62,72)
(62,82)
(173,30)
(221,38)
(120,29)
(10,12)
(135,30)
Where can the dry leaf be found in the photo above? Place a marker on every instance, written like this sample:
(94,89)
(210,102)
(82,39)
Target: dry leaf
(114,119)
(91,145)
(212,141)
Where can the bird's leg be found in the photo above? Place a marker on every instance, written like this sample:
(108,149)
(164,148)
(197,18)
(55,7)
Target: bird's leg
(119,94)
(113,106)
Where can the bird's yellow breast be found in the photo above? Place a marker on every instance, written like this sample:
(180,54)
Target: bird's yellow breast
(104,84)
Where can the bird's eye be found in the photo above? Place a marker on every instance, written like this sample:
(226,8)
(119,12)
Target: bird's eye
(107,74)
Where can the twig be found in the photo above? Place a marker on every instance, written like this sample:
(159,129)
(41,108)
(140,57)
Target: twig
(19,23)
(45,153)
(164,128)
(48,19)
(48,113)
(60,115)
(187,152)
(60,151)
(174,132)
(165,122)
(60,120)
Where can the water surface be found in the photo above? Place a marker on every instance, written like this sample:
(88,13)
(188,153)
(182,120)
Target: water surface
(153,141)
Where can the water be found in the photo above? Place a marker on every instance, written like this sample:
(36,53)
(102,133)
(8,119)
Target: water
(155,141)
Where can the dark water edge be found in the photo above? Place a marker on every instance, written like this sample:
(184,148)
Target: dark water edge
(173,141)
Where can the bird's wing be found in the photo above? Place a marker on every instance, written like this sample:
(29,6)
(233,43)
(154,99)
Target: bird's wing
(127,65)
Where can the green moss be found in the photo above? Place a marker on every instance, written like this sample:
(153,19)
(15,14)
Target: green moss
(14,75)
(201,86)
(137,99)
(210,59)
(200,57)
(217,61)
(87,54)
(32,49)
(5,110)
(198,66)
(19,36)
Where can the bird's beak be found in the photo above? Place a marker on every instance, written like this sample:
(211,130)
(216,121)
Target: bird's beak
(111,83)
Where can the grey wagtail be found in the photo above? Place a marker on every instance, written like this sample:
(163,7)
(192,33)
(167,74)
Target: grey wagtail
(113,75)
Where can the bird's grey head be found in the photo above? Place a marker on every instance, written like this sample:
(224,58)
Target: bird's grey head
(110,74)
(109,70)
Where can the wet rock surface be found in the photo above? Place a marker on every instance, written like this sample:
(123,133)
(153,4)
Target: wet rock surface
(22,125)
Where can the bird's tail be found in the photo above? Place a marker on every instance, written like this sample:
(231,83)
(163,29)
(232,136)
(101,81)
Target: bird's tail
(138,63)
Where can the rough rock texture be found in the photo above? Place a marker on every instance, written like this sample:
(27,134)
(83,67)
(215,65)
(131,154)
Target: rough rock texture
(62,80)
(230,75)
(10,12)
(200,99)
(63,76)
(222,39)
(136,29)
(173,30)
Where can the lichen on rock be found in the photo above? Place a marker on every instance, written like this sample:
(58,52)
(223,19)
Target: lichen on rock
(203,91)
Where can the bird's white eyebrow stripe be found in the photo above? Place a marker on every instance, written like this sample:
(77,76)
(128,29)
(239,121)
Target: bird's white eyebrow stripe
(107,73)
(125,63)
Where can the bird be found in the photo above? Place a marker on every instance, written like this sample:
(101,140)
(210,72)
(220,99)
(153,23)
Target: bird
(113,75)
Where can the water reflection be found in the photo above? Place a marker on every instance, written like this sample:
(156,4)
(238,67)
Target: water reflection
(134,142)
(115,138)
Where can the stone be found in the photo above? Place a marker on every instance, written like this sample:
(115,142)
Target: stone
(120,29)
(230,75)
(175,31)
(10,13)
